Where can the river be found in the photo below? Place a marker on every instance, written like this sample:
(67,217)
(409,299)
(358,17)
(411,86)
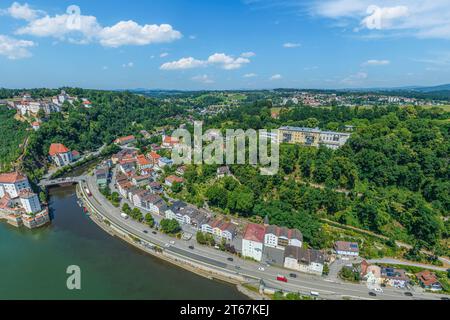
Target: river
(33,263)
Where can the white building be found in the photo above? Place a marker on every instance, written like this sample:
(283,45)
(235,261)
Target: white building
(253,241)
(12,184)
(278,237)
(333,140)
(345,248)
(30,201)
(60,155)
(304,260)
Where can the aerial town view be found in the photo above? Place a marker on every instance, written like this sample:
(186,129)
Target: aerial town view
(156,151)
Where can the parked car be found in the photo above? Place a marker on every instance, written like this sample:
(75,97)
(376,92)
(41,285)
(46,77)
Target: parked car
(154,232)
(145,231)
(378,290)
(261,269)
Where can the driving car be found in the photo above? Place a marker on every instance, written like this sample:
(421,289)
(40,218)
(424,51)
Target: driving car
(378,290)
(373,294)
(292,275)
(230,259)
(409,294)
(145,231)
(261,269)
(154,232)
(191,247)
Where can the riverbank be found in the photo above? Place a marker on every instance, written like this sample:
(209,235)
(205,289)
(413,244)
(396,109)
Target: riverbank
(156,251)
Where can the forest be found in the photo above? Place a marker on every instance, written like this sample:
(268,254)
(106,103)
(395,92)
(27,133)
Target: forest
(14,133)
(392,177)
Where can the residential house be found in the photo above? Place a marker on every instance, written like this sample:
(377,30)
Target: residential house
(154,158)
(171,180)
(170,142)
(124,187)
(429,280)
(101,176)
(75,155)
(156,187)
(281,237)
(12,184)
(60,154)
(138,196)
(181,170)
(143,163)
(30,201)
(394,277)
(36,125)
(370,273)
(141,181)
(223,172)
(304,260)
(125,140)
(163,162)
(123,154)
(345,248)
(253,241)
(127,166)
(176,211)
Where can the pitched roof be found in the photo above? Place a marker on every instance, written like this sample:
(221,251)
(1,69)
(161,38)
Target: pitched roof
(255,232)
(346,246)
(284,232)
(142,160)
(173,179)
(57,148)
(304,256)
(12,177)
(125,139)
(427,277)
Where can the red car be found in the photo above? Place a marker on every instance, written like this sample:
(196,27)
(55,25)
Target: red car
(282,278)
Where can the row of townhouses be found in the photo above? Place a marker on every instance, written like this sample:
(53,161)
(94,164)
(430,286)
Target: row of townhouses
(261,241)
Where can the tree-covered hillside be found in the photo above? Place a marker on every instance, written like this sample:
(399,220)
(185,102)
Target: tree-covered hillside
(13,134)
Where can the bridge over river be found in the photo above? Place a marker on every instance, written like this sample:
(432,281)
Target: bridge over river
(62,181)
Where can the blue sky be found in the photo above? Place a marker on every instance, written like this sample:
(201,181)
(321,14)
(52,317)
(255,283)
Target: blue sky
(232,44)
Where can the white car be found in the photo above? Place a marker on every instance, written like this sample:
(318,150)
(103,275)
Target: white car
(261,269)
(167,245)
(172,242)
(378,290)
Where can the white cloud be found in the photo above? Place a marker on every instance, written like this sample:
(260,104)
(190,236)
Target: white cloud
(85,29)
(383,18)
(355,79)
(19,11)
(248,54)
(291,45)
(221,60)
(163,55)
(203,79)
(250,75)
(374,62)
(227,62)
(422,19)
(182,64)
(15,48)
(131,33)
(276,77)
(128,65)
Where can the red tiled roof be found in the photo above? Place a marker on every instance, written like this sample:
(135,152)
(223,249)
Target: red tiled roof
(57,148)
(255,232)
(124,139)
(12,177)
(170,140)
(154,155)
(427,277)
(142,160)
(173,179)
